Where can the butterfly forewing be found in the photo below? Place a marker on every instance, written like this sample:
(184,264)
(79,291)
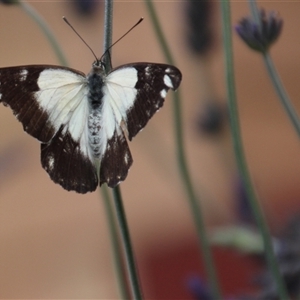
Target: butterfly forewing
(138,91)
(17,90)
(31,96)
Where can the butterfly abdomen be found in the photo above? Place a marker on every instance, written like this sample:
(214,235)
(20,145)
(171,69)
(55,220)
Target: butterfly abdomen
(94,127)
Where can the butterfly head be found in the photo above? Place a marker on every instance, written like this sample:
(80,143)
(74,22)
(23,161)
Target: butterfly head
(99,67)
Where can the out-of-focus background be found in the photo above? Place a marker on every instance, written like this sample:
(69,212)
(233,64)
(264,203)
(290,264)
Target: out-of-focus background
(55,244)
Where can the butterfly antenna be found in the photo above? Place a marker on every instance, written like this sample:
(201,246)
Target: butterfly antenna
(136,24)
(65,19)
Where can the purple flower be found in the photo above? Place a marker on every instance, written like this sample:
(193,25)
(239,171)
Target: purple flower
(198,288)
(261,36)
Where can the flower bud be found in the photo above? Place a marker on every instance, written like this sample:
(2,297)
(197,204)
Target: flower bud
(261,36)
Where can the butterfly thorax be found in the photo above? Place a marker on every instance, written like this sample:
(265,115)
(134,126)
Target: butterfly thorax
(95,97)
(95,83)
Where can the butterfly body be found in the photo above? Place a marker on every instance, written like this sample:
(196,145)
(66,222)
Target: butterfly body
(81,120)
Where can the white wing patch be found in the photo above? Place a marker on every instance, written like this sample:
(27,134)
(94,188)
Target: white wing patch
(51,163)
(119,91)
(108,124)
(168,81)
(119,95)
(63,95)
(163,93)
(23,75)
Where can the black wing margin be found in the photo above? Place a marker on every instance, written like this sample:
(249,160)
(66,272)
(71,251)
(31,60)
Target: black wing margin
(153,83)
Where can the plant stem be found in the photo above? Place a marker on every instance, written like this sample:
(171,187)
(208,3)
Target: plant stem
(276,81)
(114,236)
(120,213)
(239,152)
(283,97)
(254,11)
(46,30)
(130,263)
(194,205)
(115,244)
(108,28)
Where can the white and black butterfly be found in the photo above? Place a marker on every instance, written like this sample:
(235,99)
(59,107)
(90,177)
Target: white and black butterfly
(81,120)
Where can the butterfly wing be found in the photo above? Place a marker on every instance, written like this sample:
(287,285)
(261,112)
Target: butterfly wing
(67,164)
(138,91)
(132,93)
(116,160)
(51,103)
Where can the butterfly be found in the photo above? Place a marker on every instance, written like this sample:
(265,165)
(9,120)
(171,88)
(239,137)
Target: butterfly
(82,121)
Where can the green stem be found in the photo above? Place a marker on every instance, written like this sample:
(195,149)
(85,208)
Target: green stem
(254,11)
(276,81)
(114,236)
(194,205)
(283,97)
(108,28)
(115,244)
(120,213)
(46,30)
(239,152)
(130,263)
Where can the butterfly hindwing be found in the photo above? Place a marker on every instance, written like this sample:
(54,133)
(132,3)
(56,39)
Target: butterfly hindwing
(67,164)
(116,160)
